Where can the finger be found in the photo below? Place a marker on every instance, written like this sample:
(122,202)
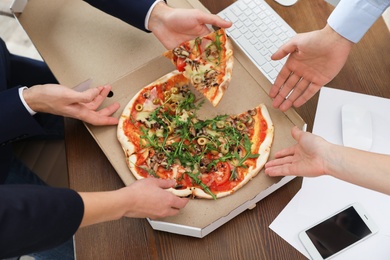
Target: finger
(296,133)
(95,118)
(280,79)
(285,152)
(299,88)
(99,98)
(311,90)
(283,170)
(98,120)
(165,213)
(165,184)
(285,91)
(214,20)
(109,110)
(179,203)
(284,50)
(279,161)
(86,96)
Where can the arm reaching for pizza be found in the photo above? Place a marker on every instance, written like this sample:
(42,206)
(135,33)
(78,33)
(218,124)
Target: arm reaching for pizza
(173,26)
(315,58)
(313,156)
(144,198)
(63,101)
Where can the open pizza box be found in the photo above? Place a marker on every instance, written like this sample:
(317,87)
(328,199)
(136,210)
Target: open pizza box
(79,42)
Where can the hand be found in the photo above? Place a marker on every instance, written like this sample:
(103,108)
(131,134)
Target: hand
(148,199)
(306,158)
(63,101)
(144,198)
(315,59)
(173,26)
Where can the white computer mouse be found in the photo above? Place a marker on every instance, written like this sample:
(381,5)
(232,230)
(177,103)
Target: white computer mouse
(356,127)
(286,2)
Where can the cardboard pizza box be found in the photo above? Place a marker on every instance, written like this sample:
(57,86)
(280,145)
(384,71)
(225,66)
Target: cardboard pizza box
(78,42)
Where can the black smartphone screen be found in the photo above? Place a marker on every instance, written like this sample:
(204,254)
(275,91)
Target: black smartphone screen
(338,232)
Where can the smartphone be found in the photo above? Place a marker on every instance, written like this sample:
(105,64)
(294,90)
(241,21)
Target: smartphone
(338,232)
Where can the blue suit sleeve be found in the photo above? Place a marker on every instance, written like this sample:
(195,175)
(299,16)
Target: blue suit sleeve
(132,12)
(34,218)
(17,123)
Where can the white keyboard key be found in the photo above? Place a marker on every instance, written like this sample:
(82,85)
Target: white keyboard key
(248,35)
(239,24)
(264,51)
(253,41)
(273,74)
(252,27)
(268,33)
(231,16)
(243,30)
(267,67)
(235,33)
(252,52)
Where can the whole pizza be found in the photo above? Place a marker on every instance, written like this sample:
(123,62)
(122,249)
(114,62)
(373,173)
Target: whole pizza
(163,137)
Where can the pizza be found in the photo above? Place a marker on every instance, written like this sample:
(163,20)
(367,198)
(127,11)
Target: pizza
(163,137)
(207,62)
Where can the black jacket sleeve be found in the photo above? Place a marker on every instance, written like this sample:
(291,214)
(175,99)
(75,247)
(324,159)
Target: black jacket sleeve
(132,12)
(35,218)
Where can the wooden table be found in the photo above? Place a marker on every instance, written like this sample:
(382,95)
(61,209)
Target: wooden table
(248,235)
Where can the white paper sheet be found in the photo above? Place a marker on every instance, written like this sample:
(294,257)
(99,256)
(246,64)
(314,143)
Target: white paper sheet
(322,196)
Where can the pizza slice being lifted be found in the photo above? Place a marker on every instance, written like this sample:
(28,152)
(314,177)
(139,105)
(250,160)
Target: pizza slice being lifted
(207,62)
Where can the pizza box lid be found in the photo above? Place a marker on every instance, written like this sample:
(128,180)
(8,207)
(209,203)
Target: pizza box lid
(78,42)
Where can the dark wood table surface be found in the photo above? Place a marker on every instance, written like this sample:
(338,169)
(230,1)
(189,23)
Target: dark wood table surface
(248,235)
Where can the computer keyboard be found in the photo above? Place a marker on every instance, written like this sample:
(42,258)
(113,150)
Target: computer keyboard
(259,31)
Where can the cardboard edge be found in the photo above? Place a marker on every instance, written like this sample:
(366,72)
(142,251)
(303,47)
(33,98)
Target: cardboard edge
(18,6)
(202,232)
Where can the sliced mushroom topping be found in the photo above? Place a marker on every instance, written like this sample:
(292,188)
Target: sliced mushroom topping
(180,52)
(211,74)
(252,112)
(146,94)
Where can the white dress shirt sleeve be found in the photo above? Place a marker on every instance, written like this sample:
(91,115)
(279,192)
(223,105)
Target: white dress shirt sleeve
(353,18)
(149,12)
(28,108)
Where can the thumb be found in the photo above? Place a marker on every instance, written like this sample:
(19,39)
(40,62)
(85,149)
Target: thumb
(165,184)
(296,133)
(284,50)
(212,19)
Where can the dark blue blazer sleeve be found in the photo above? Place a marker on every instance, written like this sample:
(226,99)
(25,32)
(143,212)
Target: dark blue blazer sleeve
(35,218)
(16,121)
(132,12)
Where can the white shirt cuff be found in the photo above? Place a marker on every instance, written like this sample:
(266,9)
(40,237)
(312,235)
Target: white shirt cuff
(353,18)
(149,12)
(32,112)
